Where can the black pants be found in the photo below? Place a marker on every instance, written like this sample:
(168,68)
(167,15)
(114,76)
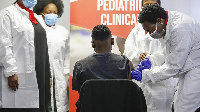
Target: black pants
(198,110)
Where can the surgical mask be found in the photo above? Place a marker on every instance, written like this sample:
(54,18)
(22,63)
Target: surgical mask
(156,34)
(50,19)
(29,3)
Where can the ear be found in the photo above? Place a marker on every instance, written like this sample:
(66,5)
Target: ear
(159,20)
(93,44)
(112,41)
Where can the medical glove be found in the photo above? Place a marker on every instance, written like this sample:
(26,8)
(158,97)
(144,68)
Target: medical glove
(136,74)
(144,64)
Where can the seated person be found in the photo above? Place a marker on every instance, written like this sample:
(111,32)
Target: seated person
(103,64)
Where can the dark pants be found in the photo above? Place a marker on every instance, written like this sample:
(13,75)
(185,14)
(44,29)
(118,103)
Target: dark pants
(198,110)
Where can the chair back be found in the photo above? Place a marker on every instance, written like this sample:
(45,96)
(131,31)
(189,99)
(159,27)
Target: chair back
(111,95)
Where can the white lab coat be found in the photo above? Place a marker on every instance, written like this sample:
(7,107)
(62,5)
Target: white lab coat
(17,44)
(58,48)
(159,96)
(182,60)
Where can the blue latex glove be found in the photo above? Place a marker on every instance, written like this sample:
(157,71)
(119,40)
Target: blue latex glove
(136,74)
(144,64)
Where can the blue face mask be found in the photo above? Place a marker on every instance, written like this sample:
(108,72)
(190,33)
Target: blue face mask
(29,3)
(51,19)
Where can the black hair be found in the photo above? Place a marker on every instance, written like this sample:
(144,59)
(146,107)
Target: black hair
(101,32)
(158,1)
(151,13)
(42,3)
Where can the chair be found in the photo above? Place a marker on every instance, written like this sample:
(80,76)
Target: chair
(111,95)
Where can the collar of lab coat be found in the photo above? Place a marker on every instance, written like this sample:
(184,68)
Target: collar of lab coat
(167,35)
(23,10)
(50,27)
(41,20)
(54,26)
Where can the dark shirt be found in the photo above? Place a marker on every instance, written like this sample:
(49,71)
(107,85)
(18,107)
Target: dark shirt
(100,66)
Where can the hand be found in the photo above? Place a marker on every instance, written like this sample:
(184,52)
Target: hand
(136,74)
(142,56)
(13,82)
(144,64)
(50,81)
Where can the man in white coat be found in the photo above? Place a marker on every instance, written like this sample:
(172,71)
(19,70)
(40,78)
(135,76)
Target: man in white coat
(159,96)
(182,37)
(24,59)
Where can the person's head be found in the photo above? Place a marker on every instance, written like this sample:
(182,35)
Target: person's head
(152,18)
(28,3)
(102,40)
(148,2)
(50,10)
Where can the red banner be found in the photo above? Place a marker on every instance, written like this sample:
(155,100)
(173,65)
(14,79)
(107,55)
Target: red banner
(119,15)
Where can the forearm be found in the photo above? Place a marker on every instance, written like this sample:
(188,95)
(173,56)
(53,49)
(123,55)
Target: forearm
(158,73)
(6,47)
(7,59)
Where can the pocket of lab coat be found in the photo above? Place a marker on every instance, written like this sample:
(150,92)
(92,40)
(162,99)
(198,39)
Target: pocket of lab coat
(8,97)
(20,67)
(21,73)
(27,98)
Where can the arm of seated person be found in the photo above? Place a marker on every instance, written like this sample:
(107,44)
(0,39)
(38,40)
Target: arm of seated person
(131,68)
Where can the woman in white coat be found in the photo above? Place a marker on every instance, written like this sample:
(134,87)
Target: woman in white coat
(25,59)
(182,59)
(58,46)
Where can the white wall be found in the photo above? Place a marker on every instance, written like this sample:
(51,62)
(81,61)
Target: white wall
(6,3)
(189,7)
(64,20)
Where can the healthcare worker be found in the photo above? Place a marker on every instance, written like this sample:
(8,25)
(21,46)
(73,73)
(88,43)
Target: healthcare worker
(159,96)
(25,82)
(182,37)
(58,47)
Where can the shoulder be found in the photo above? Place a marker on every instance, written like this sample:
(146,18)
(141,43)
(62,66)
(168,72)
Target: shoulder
(119,57)
(85,60)
(7,15)
(7,11)
(137,31)
(9,8)
(180,20)
(62,28)
(138,27)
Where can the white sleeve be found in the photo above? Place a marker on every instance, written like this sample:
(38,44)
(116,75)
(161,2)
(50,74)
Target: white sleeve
(179,47)
(157,59)
(6,53)
(67,56)
(132,52)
